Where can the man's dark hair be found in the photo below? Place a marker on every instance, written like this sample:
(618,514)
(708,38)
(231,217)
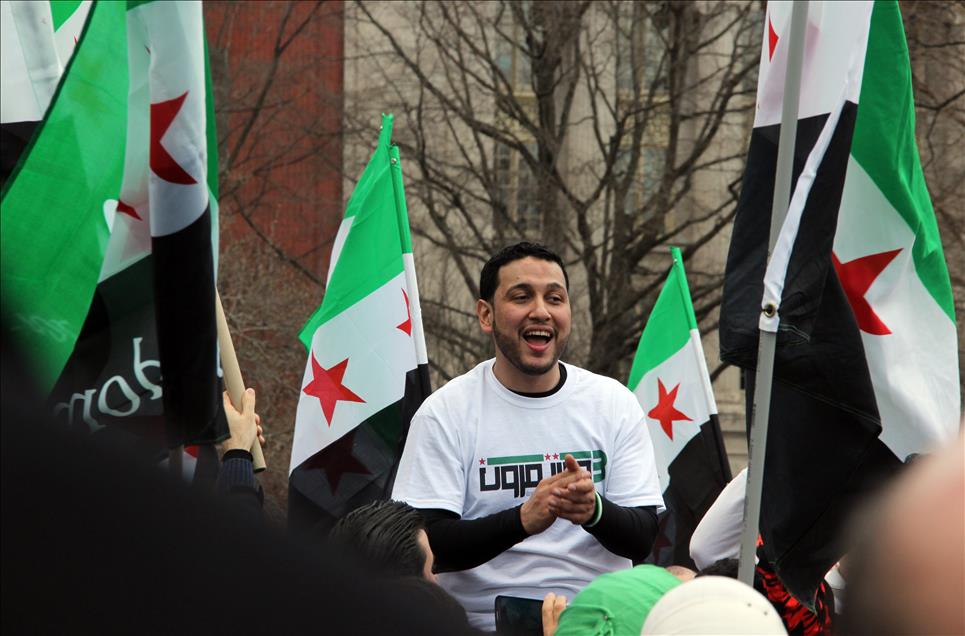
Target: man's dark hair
(384,534)
(489,277)
(721,567)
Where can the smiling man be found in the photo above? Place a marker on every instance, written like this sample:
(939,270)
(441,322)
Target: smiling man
(534,475)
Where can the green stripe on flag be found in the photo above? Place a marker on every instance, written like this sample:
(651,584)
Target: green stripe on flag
(372,253)
(211,132)
(668,327)
(52,229)
(514,459)
(61,10)
(884,145)
(211,140)
(133,4)
(402,211)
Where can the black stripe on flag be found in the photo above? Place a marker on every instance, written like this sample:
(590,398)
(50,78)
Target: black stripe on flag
(697,475)
(184,298)
(823,452)
(113,378)
(358,468)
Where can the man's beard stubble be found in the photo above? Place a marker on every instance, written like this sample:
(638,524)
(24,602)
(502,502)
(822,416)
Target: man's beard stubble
(510,348)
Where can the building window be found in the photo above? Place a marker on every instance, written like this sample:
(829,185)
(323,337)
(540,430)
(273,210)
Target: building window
(511,58)
(517,185)
(518,188)
(645,181)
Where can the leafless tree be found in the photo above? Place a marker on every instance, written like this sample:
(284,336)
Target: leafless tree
(605,129)
(590,126)
(279,147)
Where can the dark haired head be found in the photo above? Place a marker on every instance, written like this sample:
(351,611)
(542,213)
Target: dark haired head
(489,277)
(721,567)
(386,535)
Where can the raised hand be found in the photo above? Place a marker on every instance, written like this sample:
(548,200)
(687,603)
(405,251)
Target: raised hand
(537,514)
(574,500)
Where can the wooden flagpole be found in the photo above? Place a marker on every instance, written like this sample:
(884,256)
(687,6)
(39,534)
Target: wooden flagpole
(233,381)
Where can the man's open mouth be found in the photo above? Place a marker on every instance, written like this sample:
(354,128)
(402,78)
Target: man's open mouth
(538,336)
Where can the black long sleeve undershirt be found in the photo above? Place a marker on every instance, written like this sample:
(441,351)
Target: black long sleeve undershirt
(626,532)
(461,544)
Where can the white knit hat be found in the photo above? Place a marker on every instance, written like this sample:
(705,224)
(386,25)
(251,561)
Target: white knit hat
(714,605)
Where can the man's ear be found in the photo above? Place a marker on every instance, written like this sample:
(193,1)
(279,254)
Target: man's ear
(484,311)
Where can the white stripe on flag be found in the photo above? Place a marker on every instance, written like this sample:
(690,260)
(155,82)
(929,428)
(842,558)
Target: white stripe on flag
(686,371)
(781,256)
(29,27)
(914,368)
(379,355)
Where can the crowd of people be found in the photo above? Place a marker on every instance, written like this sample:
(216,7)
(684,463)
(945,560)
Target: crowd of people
(525,502)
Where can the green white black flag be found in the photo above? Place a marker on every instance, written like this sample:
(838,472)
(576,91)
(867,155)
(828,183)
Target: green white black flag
(669,377)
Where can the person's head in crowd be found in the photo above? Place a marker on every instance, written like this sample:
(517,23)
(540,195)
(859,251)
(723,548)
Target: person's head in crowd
(722,567)
(683,573)
(616,603)
(906,572)
(713,605)
(446,608)
(525,307)
(797,617)
(489,276)
(389,535)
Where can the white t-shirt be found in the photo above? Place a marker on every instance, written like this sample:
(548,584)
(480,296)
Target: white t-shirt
(476,448)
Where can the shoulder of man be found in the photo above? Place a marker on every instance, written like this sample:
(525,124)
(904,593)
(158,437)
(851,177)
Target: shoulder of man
(595,380)
(452,392)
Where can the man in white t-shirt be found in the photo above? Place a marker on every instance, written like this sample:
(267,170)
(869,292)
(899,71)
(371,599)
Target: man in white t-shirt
(534,476)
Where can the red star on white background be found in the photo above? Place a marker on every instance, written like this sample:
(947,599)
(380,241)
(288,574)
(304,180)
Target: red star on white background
(407,325)
(162,163)
(124,208)
(327,386)
(772,39)
(856,278)
(665,412)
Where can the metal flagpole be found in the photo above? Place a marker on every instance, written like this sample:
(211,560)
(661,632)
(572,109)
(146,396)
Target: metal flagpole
(767,344)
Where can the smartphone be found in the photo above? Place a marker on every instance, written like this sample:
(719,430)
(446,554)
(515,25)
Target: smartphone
(517,616)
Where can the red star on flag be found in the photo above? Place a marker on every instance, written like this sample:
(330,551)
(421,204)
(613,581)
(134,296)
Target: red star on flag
(546,456)
(665,412)
(771,39)
(407,325)
(556,455)
(336,459)
(124,208)
(856,278)
(327,386)
(482,461)
(162,163)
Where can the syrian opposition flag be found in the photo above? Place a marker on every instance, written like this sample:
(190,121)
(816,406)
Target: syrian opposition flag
(888,256)
(367,369)
(854,307)
(669,377)
(53,233)
(146,360)
(37,40)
